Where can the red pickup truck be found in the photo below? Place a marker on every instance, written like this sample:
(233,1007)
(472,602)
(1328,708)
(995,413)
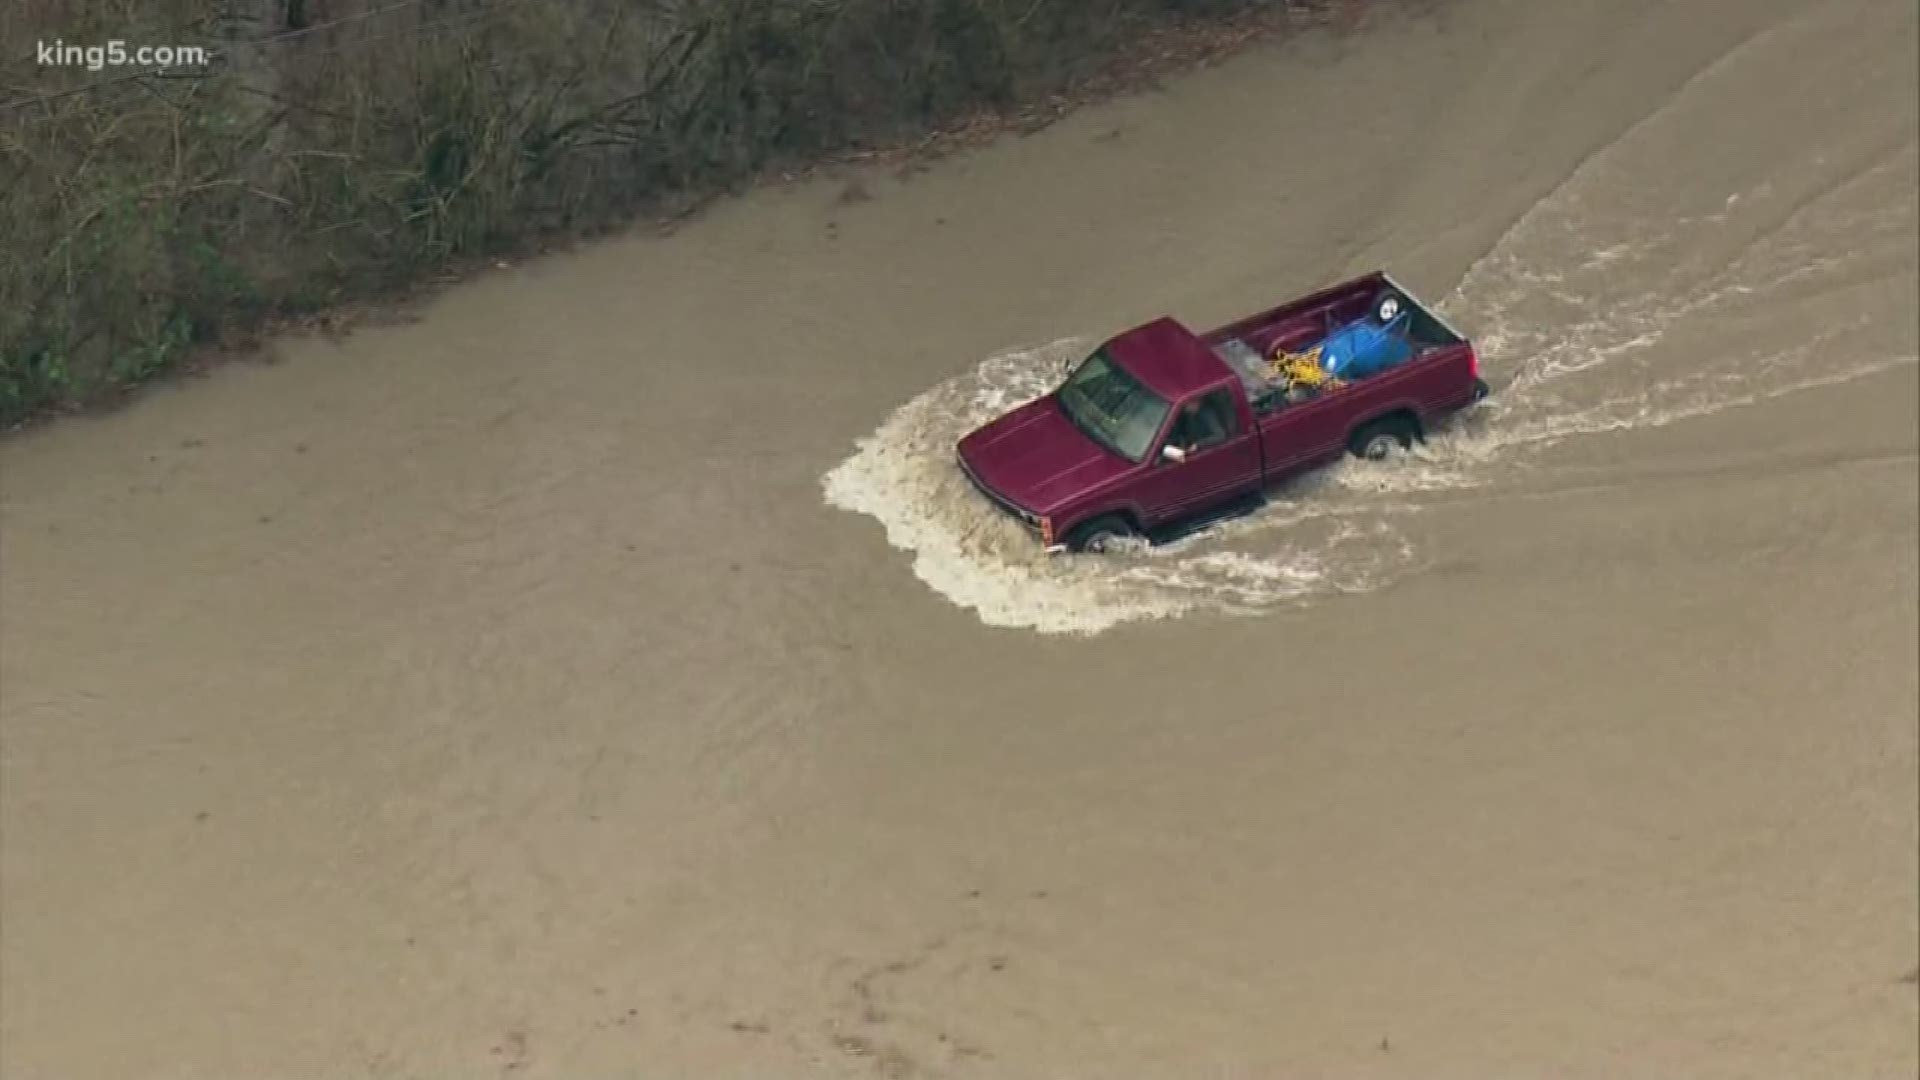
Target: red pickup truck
(1161,426)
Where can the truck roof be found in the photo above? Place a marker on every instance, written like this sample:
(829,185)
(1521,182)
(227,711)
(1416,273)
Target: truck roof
(1168,357)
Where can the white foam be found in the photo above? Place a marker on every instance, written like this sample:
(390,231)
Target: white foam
(905,477)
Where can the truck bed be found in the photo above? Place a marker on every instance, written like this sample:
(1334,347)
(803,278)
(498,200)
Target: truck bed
(1246,345)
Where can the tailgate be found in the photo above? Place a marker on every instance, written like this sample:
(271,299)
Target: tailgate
(1426,326)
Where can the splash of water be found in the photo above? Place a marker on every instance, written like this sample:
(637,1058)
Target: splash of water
(904,476)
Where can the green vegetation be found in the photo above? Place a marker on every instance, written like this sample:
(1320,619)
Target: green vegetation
(318,161)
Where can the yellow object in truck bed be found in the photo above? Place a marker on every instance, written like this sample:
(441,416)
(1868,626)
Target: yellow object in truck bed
(1301,369)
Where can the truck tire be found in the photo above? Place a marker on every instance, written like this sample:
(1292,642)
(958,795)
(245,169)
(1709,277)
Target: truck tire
(1480,390)
(1375,440)
(1102,534)
(1387,305)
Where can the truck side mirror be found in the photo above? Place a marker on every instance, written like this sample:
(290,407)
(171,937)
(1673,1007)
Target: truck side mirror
(1172,453)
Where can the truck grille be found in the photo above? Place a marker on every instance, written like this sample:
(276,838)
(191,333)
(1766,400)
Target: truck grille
(1031,521)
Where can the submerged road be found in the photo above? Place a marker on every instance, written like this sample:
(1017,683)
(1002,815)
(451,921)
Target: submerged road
(604,674)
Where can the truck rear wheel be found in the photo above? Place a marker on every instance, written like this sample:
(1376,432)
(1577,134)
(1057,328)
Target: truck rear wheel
(1375,440)
(1103,534)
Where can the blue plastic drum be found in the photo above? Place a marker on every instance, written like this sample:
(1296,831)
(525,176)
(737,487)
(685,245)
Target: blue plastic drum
(1365,347)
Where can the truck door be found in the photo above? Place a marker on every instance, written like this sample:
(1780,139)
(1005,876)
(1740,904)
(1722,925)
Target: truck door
(1222,458)
(1300,434)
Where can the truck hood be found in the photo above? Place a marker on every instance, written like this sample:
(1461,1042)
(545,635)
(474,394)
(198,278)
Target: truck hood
(1036,458)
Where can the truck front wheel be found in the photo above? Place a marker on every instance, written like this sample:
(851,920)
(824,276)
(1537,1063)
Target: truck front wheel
(1376,440)
(1103,534)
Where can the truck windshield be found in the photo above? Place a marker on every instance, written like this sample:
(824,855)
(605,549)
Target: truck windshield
(1111,406)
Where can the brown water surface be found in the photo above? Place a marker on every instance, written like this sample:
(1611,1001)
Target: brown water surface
(514,692)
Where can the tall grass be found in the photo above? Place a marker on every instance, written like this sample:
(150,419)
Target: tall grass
(385,139)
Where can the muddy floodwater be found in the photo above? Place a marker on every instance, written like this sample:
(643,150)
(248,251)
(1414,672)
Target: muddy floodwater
(608,674)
